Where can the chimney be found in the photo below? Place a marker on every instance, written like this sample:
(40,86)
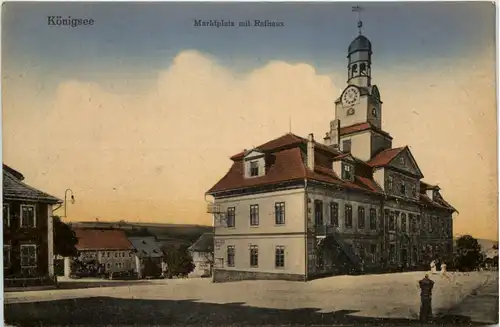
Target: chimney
(310,152)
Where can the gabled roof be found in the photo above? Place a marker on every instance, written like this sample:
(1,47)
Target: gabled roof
(146,247)
(204,244)
(102,239)
(384,157)
(13,172)
(15,189)
(363,127)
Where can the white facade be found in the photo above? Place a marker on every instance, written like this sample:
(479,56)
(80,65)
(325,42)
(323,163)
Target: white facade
(266,236)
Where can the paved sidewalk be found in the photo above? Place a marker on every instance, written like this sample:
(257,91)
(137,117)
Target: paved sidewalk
(482,305)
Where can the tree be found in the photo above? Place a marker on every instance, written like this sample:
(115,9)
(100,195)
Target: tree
(151,269)
(65,240)
(179,261)
(468,254)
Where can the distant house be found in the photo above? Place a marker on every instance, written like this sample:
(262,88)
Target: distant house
(28,247)
(109,247)
(146,248)
(491,258)
(203,253)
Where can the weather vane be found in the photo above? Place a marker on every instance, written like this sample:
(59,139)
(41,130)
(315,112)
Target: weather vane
(358,10)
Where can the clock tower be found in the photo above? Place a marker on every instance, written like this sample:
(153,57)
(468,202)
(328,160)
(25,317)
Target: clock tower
(357,127)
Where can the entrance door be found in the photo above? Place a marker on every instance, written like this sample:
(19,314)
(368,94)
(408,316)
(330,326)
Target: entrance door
(404,258)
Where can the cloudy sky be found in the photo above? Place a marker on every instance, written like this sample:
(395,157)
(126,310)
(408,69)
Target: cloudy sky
(139,113)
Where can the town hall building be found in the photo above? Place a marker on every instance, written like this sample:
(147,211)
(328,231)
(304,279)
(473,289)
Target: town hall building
(295,208)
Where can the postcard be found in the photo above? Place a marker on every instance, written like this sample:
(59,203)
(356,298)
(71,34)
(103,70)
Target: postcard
(249,163)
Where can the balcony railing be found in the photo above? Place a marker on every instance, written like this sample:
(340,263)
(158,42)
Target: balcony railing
(213,208)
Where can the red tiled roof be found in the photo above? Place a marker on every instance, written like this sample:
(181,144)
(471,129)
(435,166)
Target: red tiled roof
(283,166)
(15,189)
(286,141)
(285,161)
(384,157)
(102,239)
(362,127)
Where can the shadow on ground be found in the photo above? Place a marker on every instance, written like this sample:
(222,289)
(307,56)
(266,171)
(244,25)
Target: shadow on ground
(115,311)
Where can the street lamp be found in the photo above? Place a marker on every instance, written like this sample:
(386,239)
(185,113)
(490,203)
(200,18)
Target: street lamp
(65,200)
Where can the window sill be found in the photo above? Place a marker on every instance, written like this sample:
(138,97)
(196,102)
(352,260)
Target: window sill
(254,226)
(279,225)
(280,268)
(254,266)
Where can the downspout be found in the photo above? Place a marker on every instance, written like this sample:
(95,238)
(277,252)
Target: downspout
(306,216)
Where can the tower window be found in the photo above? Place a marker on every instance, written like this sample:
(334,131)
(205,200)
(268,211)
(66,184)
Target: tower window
(346,145)
(362,69)
(354,70)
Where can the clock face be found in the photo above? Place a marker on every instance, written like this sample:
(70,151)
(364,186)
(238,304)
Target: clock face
(351,96)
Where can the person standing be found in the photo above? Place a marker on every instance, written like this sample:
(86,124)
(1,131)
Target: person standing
(426,285)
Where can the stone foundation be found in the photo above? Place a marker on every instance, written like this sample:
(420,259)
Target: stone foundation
(220,276)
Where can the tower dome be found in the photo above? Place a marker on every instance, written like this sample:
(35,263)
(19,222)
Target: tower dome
(360,43)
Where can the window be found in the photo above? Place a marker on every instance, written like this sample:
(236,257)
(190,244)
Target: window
(373,252)
(116,254)
(362,69)
(354,70)
(348,216)
(130,254)
(6,256)
(415,254)
(392,221)
(108,265)
(392,253)
(28,256)
(334,214)
(414,191)
(403,222)
(403,189)
(361,217)
(230,255)
(318,212)
(279,213)
(254,215)
(402,161)
(346,171)
(28,216)
(346,145)
(254,256)
(417,223)
(6,215)
(109,254)
(254,168)
(373,218)
(389,183)
(231,216)
(279,259)
(374,112)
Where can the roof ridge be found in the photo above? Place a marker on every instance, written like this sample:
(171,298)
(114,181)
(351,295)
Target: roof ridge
(20,182)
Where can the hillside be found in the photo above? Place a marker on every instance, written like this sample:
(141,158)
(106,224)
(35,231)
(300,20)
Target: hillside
(171,234)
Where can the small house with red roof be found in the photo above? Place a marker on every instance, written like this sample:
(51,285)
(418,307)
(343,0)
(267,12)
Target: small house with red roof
(294,208)
(28,234)
(108,247)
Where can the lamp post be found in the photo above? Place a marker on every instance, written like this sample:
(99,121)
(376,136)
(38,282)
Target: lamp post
(65,200)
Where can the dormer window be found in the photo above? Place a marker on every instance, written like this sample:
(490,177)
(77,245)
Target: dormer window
(254,168)
(255,163)
(347,171)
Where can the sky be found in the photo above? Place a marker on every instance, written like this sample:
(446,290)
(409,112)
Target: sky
(139,113)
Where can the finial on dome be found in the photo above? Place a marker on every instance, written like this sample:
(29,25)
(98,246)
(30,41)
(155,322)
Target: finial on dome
(358,10)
